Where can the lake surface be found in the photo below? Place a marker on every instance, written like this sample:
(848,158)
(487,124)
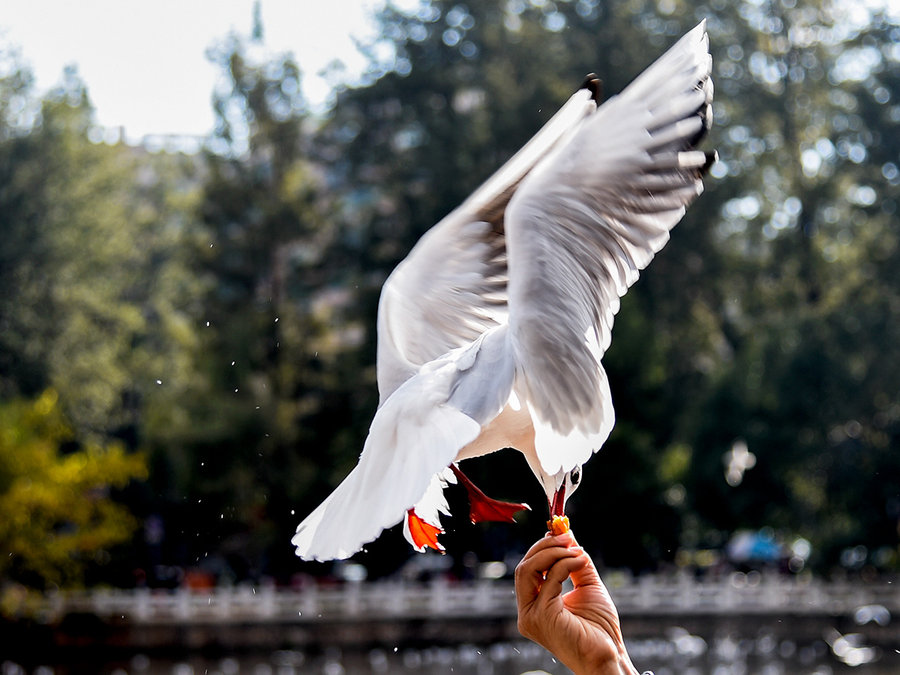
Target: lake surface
(677,652)
(679,627)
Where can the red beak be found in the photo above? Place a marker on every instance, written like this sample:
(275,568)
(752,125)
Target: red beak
(558,505)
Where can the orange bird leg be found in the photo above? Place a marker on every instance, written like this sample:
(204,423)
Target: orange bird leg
(423,534)
(482,507)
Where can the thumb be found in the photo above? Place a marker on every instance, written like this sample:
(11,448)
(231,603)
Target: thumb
(586,575)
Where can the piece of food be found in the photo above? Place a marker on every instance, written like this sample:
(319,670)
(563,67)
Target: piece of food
(558,525)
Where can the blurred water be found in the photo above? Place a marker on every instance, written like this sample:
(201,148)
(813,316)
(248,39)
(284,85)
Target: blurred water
(675,653)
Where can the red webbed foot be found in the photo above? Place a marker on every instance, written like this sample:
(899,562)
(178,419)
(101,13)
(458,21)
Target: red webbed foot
(423,534)
(482,507)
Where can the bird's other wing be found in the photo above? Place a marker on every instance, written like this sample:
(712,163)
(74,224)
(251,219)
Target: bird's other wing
(415,434)
(447,292)
(581,226)
(452,285)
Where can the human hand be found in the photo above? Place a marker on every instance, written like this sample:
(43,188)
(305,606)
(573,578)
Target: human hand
(581,628)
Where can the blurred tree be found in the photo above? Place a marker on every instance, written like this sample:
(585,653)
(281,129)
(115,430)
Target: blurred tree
(464,85)
(59,515)
(805,226)
(96,291)
(220,309)
(281,353)
(93,283)
(768,306)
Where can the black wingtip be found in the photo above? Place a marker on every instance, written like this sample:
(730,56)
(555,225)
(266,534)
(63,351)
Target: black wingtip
(711,158)
(593,84)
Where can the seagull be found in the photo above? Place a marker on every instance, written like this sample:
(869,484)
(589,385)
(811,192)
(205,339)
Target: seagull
(491,331)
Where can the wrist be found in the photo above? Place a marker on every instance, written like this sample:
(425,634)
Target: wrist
(618,664)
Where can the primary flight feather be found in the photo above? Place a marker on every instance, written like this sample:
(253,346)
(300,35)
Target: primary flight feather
(492,330)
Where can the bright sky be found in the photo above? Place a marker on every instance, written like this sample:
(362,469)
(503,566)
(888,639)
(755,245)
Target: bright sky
(144,61)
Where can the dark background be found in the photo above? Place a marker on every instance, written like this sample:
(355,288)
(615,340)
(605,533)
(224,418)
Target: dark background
(187,340)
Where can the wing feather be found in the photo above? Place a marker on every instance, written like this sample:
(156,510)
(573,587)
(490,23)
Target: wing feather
(413,437)
(517,289)
(584,223)
(452,285)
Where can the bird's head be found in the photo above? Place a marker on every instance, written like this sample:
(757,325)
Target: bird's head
(559,487)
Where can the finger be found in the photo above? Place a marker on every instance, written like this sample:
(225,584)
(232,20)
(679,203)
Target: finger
(531,571)
(549,541)
(527,564)
(552,587)
(542,561)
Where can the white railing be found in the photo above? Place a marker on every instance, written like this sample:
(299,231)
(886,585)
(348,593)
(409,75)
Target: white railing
(751,594)
(735,595)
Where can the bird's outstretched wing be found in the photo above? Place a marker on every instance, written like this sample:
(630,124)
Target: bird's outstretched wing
(583,223)
(452,285)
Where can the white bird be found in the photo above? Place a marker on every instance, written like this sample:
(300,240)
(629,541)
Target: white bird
(491,331)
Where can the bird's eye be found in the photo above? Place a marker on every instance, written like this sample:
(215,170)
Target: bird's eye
(575,476)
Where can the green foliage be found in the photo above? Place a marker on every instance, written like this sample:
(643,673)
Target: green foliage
(90,251)
(96,293)
(59,515)
(218,309)
(281,366)
(772,302)
(804,226)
